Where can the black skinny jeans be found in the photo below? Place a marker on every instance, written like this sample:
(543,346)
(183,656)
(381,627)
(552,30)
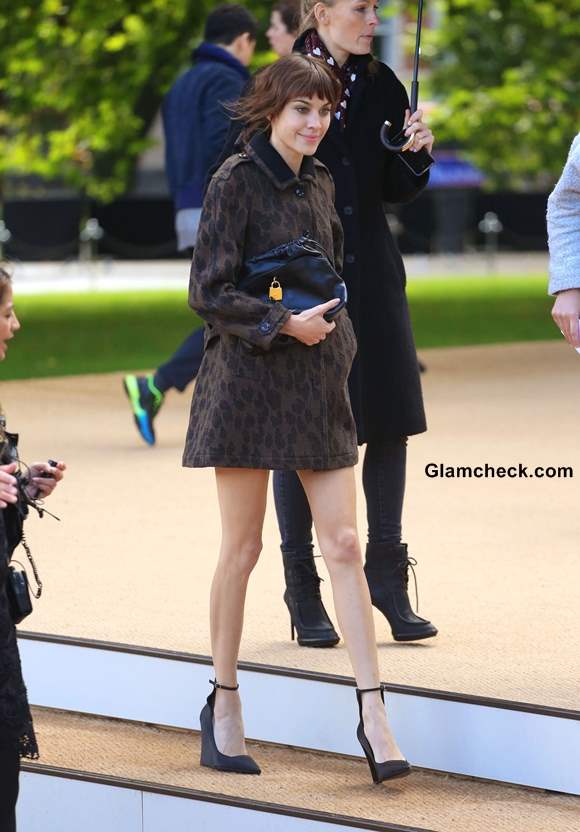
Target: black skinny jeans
(384,470)
(9,771)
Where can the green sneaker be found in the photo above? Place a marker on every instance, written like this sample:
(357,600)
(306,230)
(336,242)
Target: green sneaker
(145,400)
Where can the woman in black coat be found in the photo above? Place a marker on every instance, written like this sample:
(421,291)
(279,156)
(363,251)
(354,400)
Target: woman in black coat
(384,384)
(16,730)
(385,388)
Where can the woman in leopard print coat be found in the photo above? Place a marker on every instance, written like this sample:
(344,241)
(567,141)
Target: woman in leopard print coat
(254,410)
(275,409)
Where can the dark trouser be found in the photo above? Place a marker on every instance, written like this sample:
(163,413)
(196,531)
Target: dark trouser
(384,469)
(9,771)
(183,366)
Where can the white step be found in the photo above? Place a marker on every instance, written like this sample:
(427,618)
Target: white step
(510,742)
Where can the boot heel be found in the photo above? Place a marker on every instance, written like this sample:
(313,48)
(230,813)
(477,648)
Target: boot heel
(309,621)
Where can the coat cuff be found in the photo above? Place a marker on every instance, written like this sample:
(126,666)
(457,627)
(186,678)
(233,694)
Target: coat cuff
(561,281)
(270,326)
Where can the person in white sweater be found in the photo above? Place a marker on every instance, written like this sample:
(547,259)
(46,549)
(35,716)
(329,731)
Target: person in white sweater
(564,244)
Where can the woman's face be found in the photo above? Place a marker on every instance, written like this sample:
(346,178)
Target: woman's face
(349,24)
(9,323)
(281,40)
(302,124)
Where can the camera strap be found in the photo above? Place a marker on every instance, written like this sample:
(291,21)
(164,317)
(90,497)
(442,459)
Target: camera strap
(26,548)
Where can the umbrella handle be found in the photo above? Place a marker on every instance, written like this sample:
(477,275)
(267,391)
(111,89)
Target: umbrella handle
(401,143)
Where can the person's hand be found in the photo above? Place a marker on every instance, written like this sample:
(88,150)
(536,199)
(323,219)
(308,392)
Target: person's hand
(566,312)
(309,326)
(8,490)
(42,487)
(422,136)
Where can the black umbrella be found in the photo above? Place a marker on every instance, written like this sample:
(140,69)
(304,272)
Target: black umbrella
(400,142)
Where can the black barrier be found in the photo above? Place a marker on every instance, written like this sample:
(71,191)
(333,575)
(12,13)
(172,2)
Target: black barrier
(136,229)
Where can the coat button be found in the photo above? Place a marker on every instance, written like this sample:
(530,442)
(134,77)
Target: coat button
(299,191)
(350,258)
(265,327)
(348,210)
(345,161)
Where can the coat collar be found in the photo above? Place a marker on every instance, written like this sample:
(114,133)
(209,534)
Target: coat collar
(211,52)
(269,160)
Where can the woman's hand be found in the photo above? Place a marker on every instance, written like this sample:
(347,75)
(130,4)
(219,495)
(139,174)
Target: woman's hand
(309,326)
(566,312)
(41,487)
(8,490)
(422,136)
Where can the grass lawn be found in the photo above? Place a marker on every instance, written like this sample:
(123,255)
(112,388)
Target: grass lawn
(65,334)
(480,310)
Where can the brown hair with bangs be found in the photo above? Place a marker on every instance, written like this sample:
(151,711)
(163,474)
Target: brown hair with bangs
(295,76)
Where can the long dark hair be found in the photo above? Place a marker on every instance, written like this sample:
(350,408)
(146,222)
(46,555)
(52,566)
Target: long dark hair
(290,12)
(5,281)
(291,77)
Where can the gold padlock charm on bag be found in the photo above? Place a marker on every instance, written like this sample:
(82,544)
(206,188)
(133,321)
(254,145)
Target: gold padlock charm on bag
(275,292)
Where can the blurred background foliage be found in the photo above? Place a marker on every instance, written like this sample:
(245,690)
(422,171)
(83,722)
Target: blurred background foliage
(82,80)
(506,75)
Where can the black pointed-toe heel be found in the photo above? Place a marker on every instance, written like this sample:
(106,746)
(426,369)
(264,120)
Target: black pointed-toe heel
(211,756)
(379,771)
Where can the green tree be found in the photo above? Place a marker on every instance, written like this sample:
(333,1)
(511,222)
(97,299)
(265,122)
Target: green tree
(81,82)
(507,78)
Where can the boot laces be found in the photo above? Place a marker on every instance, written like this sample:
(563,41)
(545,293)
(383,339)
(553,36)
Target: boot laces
(312,576)
(410,562)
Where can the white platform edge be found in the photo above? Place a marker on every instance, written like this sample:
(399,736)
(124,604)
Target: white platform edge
(68,805)
(512,746)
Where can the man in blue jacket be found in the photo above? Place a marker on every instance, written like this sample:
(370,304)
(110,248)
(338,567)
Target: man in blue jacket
(194,117)
(195,122)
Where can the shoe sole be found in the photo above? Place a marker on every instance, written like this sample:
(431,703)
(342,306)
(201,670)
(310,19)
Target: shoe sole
(331,643)
(412,637)
(397,776)
(229,770)
(139,415)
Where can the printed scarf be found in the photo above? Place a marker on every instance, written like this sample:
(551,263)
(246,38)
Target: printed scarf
(346,74)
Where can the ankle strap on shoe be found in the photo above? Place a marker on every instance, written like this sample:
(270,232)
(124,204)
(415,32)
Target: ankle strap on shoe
(222,687)
(371,690)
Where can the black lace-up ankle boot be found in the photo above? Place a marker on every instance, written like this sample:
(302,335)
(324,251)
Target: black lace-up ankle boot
(387,570)
(302,597)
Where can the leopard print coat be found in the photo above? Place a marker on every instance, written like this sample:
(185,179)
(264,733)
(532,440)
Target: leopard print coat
(286,409)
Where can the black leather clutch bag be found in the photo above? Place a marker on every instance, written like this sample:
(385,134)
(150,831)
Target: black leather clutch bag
(297,274)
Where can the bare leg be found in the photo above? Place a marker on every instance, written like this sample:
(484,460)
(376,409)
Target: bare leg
(332,498)
(242,495)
